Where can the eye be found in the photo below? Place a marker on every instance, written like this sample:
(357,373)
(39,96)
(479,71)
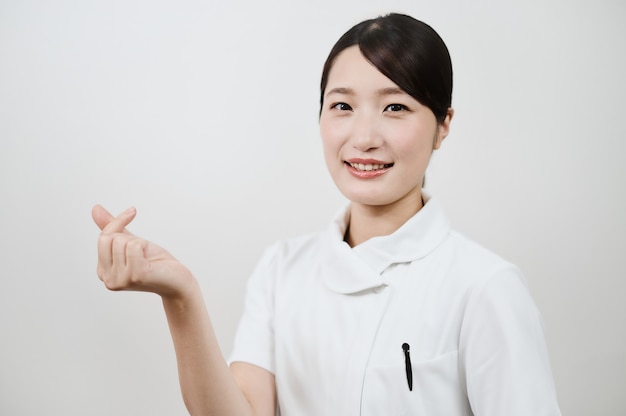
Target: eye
(341,107)
(396,107)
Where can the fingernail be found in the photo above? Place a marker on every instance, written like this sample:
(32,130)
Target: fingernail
(130,211)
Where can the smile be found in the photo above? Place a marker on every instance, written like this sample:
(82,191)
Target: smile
(369,166)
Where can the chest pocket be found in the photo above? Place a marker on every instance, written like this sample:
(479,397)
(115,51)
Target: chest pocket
(437,390)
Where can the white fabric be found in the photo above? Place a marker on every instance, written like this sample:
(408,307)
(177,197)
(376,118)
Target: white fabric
(329,321)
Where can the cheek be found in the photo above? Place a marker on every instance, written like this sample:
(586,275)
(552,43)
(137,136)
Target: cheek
(418,143)
(415,147)
(329,149)
(331,136)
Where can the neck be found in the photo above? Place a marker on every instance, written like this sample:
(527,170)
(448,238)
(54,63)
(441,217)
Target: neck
(368,221)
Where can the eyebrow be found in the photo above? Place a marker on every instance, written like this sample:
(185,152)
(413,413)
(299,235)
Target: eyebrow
(380,92)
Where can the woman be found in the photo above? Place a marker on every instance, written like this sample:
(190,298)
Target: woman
(388,311)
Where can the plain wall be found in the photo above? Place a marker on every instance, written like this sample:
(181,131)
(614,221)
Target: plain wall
(203,115)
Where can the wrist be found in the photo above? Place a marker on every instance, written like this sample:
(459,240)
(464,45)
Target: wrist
(185,289)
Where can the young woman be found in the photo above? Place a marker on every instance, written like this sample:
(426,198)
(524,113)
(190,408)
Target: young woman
(386,312)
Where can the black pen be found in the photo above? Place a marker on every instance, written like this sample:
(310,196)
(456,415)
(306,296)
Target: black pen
(407,365)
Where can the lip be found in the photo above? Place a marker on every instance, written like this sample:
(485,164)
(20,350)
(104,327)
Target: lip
(368,161)
(367,174)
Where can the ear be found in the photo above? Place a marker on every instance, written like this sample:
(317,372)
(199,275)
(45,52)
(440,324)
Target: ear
(443,129)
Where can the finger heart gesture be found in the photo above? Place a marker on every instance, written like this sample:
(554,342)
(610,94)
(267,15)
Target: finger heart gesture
(127,262)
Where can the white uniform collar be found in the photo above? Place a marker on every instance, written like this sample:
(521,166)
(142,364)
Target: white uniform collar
(352,270)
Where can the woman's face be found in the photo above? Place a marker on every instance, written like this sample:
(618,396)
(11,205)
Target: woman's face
(377,139)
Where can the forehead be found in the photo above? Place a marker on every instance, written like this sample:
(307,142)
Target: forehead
(351,70)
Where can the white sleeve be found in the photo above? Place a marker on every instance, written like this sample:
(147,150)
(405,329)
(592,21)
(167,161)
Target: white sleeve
(254,339)
(503,351)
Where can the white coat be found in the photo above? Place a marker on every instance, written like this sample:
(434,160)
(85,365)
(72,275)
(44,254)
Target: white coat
(329,322)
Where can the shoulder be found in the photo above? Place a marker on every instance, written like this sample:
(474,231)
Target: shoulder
(292,256)
(292,249)
(494,289)
(481,279)
(463,259)
(474,262)
(310,245)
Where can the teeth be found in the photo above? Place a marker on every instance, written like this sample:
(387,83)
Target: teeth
(361,166)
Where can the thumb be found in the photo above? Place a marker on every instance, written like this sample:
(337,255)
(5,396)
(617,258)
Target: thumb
(101,216)
(104,219)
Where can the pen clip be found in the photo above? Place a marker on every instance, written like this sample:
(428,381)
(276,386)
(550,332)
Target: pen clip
(407,365)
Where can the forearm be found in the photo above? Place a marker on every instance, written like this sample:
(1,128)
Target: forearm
(127,262)
(207,384)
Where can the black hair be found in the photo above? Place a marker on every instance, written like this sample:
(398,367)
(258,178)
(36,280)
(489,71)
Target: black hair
(408,52)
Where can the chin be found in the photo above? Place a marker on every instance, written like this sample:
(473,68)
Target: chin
(368,198)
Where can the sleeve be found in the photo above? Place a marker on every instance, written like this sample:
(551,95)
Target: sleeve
(254,339)
(503,351)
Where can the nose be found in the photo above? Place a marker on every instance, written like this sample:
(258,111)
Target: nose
(366,133)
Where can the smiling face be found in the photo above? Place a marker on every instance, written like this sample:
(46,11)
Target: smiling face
(377,139)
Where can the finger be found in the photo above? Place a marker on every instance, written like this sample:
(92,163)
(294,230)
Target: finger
(105,251)
(101,216)
(104,256)
(135,258)
(118,224)
(119,252)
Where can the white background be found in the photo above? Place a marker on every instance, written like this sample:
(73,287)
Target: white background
(203,115)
